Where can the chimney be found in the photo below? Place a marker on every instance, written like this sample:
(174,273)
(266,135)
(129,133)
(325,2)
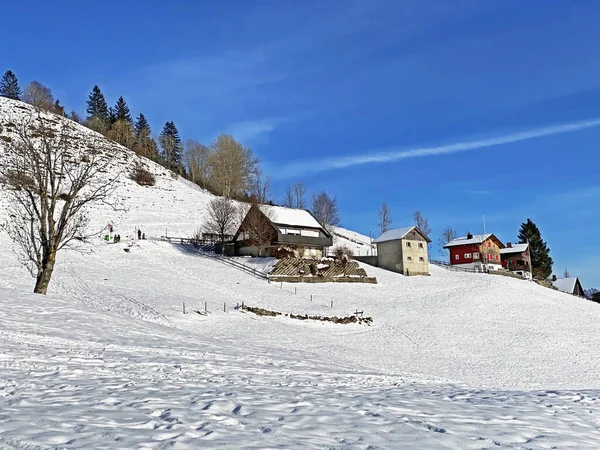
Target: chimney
(469,236)
(553,277)
(508,245)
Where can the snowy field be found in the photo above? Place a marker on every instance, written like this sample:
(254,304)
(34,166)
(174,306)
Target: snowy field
(109,360)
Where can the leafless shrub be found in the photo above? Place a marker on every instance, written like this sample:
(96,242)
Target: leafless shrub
(282,252)
(341,251)
(142,176)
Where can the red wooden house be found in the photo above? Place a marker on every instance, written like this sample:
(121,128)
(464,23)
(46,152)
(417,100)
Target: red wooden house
(478,252)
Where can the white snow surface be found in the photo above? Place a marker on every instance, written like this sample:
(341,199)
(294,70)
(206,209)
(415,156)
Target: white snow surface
(358,243)
(464,240)
(516,248)
(392,235)
(565,284)
(109,360)
(280,215)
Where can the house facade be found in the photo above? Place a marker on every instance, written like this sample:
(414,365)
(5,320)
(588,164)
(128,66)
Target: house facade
(403,250)
(517,259)
(479,252)
(266,227)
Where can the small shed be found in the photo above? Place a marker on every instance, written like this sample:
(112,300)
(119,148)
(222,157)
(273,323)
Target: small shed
(403,250)
(569,285)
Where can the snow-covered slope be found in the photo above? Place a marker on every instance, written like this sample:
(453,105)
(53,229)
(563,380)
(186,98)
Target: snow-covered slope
(108,359)
(72,376)
(360,244)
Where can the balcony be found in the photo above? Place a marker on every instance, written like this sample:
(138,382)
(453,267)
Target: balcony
(304,241)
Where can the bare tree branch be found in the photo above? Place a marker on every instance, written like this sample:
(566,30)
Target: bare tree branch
(448,235)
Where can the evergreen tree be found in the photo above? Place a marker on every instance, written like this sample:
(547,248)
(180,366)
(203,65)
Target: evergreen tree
(74,116)
(97,107)
(9,86)
(144,144)
(59,109)
(541,262)
(142,127)
(121,111)
(172,148)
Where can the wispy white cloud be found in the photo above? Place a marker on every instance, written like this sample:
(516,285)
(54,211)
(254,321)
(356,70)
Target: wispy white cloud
(251,131)
(311,166)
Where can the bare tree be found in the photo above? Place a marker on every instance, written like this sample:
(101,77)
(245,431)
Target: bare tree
(38,95)
(256,225)
(122,132)
(196,159)
(260,188)
(448,235)
(300,195)
(295,196)
(52,174)
(232,166)
(422,223)
(325,210)
(222,217)
(385,219)
(288,197)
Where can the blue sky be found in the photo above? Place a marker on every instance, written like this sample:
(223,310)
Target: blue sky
(317,87)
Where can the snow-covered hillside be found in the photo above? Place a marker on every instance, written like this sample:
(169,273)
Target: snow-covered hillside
(109,360)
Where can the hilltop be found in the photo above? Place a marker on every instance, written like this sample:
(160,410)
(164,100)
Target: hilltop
(109,355)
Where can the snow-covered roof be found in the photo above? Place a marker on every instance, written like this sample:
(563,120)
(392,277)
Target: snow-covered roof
(475,239)
(280,215)
(516,248)
(392,235)
(565,284)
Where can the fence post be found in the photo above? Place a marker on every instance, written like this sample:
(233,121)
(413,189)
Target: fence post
(281,285)
(224,307)
(332,303)
(311,297)
(205,307)
(184,307)
(295,290)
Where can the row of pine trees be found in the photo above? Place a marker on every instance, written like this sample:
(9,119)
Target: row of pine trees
(226,167)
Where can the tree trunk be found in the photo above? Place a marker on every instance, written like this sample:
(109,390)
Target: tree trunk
(44,275)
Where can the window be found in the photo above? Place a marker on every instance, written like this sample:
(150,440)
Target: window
(409,258)
(455,256)
(408,244)
(421,259)
(497,257)
(489,244)
(490,257)
(420,245)
(467,255)
(476,255)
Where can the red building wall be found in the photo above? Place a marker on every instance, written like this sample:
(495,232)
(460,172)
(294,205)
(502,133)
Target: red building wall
(461,250)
